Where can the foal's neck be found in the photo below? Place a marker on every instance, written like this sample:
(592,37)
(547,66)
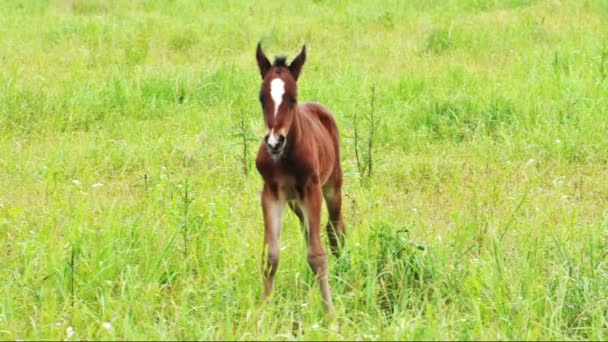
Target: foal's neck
(295,131)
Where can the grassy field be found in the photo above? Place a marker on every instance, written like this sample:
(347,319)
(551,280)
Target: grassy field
(129,209)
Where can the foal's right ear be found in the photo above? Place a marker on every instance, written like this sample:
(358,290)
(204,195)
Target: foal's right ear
(263,62)
(296,65)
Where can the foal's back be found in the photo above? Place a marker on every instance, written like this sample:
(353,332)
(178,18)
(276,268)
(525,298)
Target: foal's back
(322,124)
(315,111)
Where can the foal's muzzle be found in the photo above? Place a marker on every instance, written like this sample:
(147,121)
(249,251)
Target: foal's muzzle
(275,143)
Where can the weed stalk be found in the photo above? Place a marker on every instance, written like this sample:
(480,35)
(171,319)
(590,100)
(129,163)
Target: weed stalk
(187,200)
(365,161)
(245,136)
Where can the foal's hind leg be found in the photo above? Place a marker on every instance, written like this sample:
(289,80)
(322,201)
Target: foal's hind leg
(298,211)
(332,192)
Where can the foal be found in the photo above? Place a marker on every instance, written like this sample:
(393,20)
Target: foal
(299,161)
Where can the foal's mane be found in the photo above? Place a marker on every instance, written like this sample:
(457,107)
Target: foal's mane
(280,61)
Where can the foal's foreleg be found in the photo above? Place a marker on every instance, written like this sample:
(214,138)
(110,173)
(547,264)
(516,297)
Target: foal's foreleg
(273,217)
(317,258)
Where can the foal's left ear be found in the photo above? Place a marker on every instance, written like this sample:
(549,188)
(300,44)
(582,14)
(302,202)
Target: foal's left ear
(263,62)
(296,65)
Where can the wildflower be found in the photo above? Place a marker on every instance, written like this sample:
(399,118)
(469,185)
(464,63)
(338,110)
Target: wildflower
(70,331)
(106,325)
(97,185)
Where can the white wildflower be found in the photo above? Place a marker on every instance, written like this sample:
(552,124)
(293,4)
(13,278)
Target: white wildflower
(97,185)
(70,331)
(106,325)
(76,182)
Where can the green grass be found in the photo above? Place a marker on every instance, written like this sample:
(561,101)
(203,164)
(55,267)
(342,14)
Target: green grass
(123,198)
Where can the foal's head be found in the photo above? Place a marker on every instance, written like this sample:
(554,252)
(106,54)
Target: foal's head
(278,96)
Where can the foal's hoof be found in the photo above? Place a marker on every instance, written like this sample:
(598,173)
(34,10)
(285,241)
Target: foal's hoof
(267,300)
(330,313)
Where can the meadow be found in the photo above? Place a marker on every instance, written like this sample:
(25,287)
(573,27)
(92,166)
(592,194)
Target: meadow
(129,199)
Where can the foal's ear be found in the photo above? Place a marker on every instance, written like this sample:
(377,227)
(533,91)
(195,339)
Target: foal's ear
(263,62)
(296,65)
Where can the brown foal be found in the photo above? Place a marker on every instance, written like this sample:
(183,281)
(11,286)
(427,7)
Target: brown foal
(299,161)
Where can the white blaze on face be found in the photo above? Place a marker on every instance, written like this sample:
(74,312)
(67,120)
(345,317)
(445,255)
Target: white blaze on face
(277,89)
